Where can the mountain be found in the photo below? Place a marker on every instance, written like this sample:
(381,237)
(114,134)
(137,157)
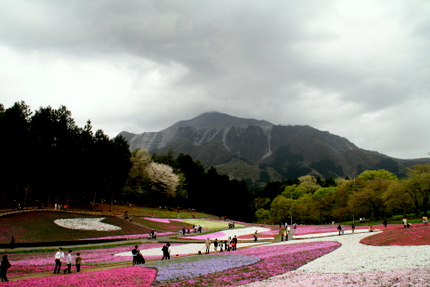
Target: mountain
(259,151)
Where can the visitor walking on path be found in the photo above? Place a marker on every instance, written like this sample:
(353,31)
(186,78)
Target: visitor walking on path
(234,243)
(340,229)
(425,220)
(216,244)
(4,266)
(58,259)
(352,228)
(134,252)
(78,261)
(256,235)
(208,245)
(166,251)
(69,263)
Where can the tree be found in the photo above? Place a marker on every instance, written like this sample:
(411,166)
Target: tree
(280,209)
(138,182)
(163,180)
(418,183)
(309,182)
(15,151)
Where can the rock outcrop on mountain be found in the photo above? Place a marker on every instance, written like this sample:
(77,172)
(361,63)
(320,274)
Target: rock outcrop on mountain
(258,151)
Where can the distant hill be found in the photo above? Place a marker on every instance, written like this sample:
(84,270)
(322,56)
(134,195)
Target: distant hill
(258,151)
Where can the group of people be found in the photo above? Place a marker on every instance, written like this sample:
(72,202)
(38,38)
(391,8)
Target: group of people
(195,228)
(227,245)
(152,234)
(59,256)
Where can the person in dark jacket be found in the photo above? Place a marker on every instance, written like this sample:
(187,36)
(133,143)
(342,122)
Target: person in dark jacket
(4,266)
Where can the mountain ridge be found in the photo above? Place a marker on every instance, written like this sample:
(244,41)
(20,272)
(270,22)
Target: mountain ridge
(267,151)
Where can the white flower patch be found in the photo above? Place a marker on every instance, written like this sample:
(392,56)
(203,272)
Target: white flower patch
(86,224)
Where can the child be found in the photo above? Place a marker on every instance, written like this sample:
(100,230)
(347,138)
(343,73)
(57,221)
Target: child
(78,260)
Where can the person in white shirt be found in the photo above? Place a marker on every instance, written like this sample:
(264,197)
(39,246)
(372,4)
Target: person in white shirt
(69,263)
(58,259)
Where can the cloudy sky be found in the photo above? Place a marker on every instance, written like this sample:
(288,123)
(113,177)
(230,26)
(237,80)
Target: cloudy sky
(358,69)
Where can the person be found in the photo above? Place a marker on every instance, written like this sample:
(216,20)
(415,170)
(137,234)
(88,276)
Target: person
(58,259)
(255,235)
(208,245)
(154,234)
(166,251)
(139,258)
(216,244)
(340,229)
(405,222)
(425,220)
(69,263)
(352,228)
(385,223)
(134,252)
(234,243)
(78,261)
(4,266)
(221,246)
(370,228)
(12,242)
(229,243)
(285,235)
(183,230)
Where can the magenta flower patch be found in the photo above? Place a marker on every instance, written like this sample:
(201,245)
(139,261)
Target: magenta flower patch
(127,276)
(275,260)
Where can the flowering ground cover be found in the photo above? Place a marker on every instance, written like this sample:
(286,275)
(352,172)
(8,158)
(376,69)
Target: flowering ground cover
(40,227)
(275,259)
(312,229)
(410,277)
(89,256)
(356,264)
(404,236)
(86,224)
(125,276)
(179,223)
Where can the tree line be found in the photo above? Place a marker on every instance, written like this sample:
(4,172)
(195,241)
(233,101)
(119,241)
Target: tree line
(47,158)
(374,194)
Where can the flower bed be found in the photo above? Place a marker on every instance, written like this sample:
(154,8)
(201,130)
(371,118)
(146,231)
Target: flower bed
(89,256)
(40,227)
(126,276)
(409,277)
(86,224)
(405,236)
(199,265)
(275,260)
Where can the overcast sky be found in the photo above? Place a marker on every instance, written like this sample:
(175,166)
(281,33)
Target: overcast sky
(358,69)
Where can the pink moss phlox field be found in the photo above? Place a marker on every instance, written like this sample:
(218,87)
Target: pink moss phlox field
(161,220)
(312,229)
(131,236)
(89,256)
(275,260)
(405,236)
(127,276)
